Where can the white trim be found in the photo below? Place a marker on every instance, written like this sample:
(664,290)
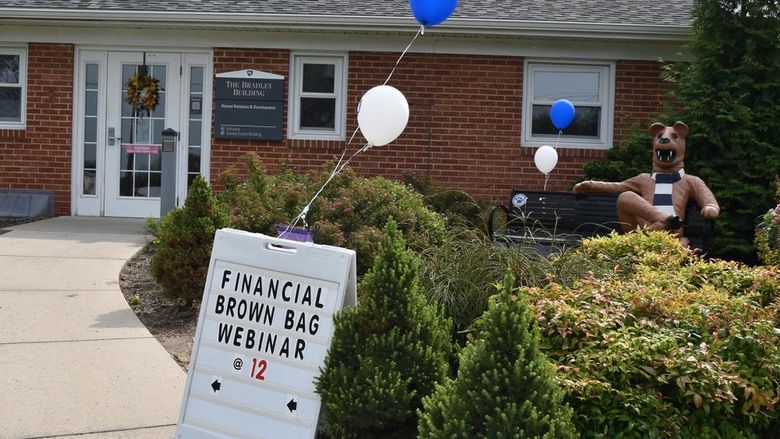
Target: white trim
(21,52)
(206,61)
(160,39)
(454,25)
(606,70)
(88,205)
(249,74)
(340,62)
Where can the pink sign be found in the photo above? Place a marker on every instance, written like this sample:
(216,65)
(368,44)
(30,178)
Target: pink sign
(141,148)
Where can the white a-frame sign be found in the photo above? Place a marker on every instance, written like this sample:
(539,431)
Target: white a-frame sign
(266,322)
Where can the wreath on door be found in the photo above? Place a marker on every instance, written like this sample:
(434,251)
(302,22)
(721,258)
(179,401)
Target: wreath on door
(143,93)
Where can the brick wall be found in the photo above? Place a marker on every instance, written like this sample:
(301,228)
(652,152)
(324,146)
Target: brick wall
(464,127)
(39,157)
(638,95)
(463,131)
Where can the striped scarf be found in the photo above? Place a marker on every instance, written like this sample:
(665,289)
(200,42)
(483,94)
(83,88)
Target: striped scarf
(662,200)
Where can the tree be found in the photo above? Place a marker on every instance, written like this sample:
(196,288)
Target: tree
(731,98)
(729,95)
(505,386)
(387,353)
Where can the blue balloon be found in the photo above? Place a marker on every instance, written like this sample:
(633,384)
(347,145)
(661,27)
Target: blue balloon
(562,113)
(432,12)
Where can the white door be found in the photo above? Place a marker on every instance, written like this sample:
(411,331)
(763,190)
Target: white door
(133,157)
(116,154)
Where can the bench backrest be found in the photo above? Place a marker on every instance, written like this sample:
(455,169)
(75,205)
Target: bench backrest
(588,215)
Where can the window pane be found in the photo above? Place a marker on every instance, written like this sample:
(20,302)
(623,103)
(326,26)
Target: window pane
(142,184)
(90,129)
(587,121)
(92,76)
(90,156)
(318,78)
(89,183)
(154,184)
(194,160)
(92,103)
(158,125)
(128,70)
(195,129)
(156,162)
(9,69)
(574,86)
(142,162)
(159,110)
(10,104)
(318,113)
(126,184)
(159,73)
(196,79)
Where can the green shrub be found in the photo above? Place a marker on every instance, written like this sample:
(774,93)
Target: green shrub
(505,386)
(350,212)
(459,208)
(387,353)
(668,344)
(185,238)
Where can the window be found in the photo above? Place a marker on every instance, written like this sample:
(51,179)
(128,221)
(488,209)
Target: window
(588,86)
(12,88)
(317,97)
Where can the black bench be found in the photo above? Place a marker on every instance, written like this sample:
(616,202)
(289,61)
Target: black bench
(549,221)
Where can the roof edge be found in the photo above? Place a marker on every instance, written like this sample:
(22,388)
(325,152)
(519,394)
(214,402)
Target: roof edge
(354,23)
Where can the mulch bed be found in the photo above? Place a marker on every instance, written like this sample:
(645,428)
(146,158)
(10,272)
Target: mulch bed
(171,322)
(8,222)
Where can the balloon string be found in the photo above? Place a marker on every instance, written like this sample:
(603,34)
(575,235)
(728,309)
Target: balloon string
(339,165)
(560,132)
(336,170)
(546,177)
(419,32)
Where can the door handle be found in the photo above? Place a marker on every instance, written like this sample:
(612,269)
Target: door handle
(112,138)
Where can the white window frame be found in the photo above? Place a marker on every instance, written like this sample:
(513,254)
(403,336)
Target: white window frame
(22,122)
(297,60)
(606,101)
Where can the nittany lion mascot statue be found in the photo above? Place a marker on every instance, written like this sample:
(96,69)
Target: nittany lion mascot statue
(658,200)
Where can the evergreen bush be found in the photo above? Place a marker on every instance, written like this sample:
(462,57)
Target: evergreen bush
(387,353)
(185,237)
(505,388)
(768,233)
(730,95)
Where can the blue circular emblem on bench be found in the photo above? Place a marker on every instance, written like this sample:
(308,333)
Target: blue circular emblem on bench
(519,200)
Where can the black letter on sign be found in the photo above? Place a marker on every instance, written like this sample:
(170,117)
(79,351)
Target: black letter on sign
(299,347)
(289,319)
(226,278)
(220,307)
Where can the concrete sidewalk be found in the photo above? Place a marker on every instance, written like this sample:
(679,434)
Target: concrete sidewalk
(74,359)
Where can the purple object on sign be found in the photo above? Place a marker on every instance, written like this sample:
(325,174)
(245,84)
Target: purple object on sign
(295,234)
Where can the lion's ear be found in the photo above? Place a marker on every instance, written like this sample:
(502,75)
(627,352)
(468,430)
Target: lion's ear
(681,128)
(656,128)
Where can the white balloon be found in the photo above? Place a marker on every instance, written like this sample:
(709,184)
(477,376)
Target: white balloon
(545,159)
(382,115)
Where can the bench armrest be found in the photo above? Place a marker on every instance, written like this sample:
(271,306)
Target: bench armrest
(490,228)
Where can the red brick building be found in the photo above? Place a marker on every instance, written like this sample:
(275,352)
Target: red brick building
(478,88)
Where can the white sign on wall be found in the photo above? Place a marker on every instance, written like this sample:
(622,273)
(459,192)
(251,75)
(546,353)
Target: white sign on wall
(265,325)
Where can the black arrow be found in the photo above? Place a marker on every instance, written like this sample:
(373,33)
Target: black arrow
(216,385)
(292,405)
